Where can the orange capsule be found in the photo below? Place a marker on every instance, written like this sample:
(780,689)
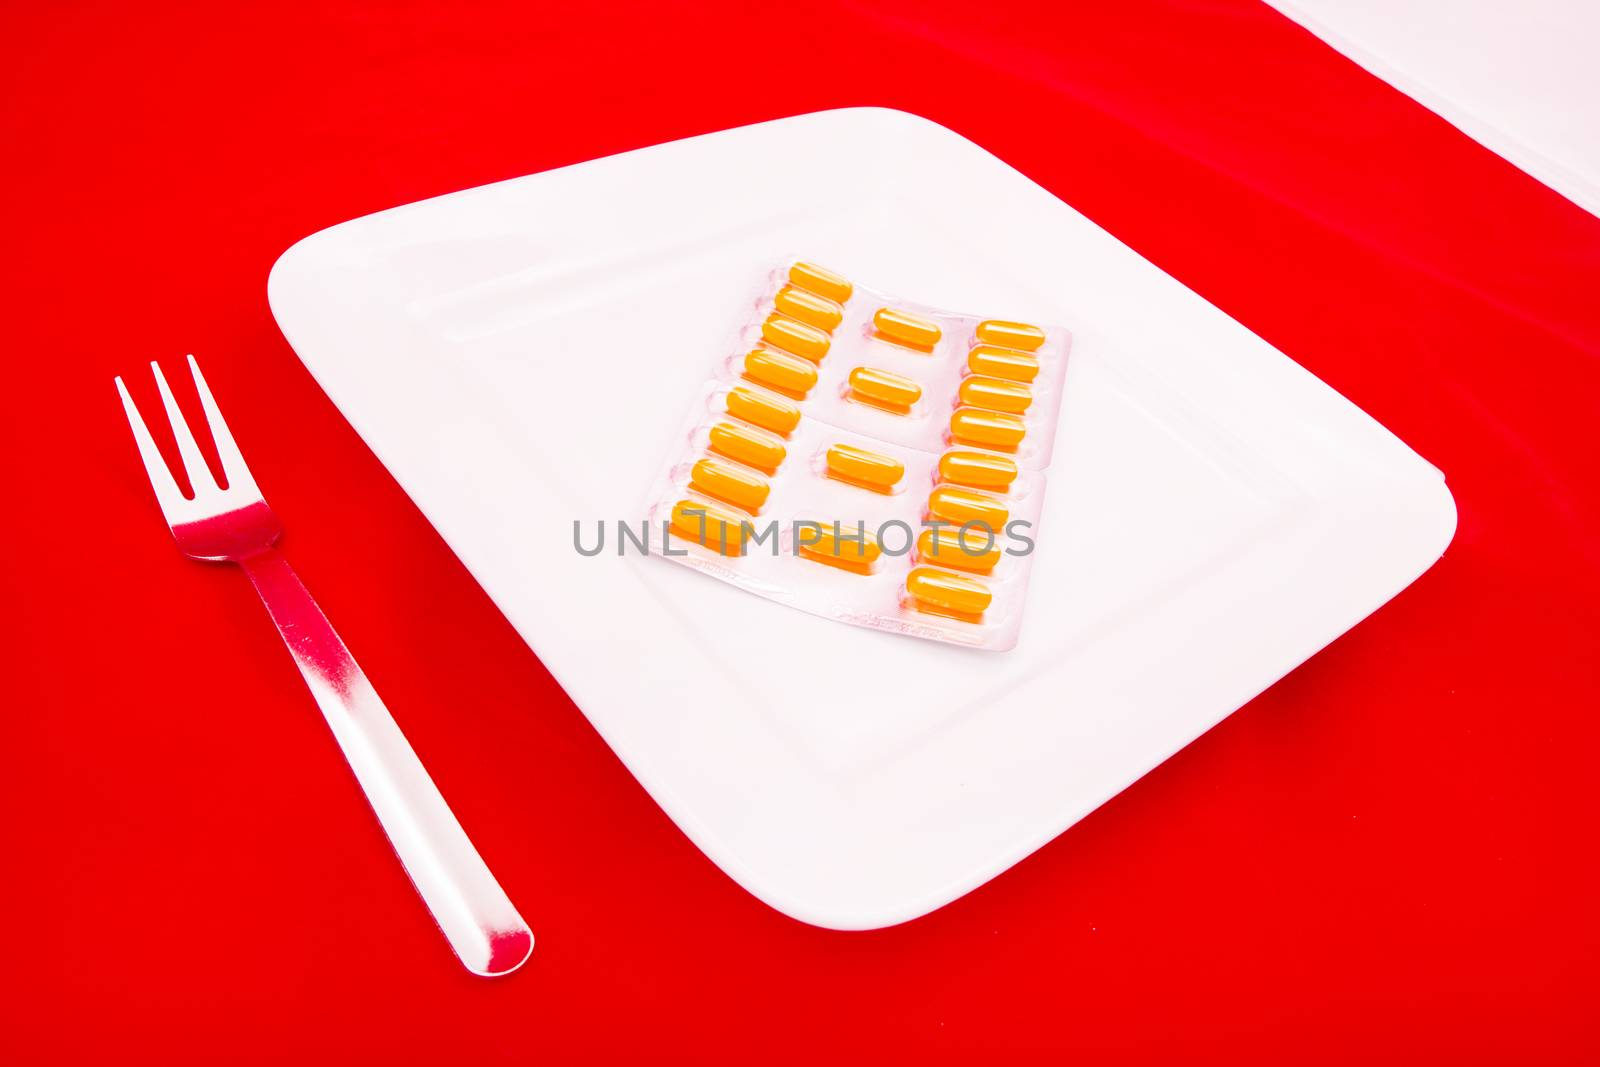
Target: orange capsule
(869,470)
(767,412)
(953,595)
(1018,335)
(970,549)
(809,308)
(995,394)
(907,329)
(1002,363)
(884,389)
(849,548)
(961,506)
(728,483)
(706,524)
(745,445)
(822,281)
(789,375)
(793,336)
(975,470)
(987,429)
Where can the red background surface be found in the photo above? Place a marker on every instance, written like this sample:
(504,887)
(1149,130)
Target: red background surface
(1391,854)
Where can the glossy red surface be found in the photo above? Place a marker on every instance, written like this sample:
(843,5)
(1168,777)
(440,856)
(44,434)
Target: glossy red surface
(1388,856)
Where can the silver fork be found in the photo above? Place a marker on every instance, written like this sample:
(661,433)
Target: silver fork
(234,525)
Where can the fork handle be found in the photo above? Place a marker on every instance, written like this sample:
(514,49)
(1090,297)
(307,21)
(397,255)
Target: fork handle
(476,916)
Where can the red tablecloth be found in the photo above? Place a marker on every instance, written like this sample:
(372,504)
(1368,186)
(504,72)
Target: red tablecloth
(1391,853)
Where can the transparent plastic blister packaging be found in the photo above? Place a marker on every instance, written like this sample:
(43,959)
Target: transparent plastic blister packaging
(869,459)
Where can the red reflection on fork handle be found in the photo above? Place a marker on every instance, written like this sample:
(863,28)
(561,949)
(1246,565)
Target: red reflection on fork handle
(476,916)
(312,641)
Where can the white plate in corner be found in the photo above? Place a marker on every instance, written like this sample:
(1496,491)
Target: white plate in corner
(1216,515)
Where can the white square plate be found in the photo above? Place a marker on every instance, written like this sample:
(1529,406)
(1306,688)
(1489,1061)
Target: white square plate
(521,356)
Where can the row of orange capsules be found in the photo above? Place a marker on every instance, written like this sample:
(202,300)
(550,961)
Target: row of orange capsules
(793,344)
(994,396)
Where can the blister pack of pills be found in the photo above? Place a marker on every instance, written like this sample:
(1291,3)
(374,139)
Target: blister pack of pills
(870,459)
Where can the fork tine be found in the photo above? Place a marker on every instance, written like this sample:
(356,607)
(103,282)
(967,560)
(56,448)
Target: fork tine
(233,464)
(194,463)
(161,480)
